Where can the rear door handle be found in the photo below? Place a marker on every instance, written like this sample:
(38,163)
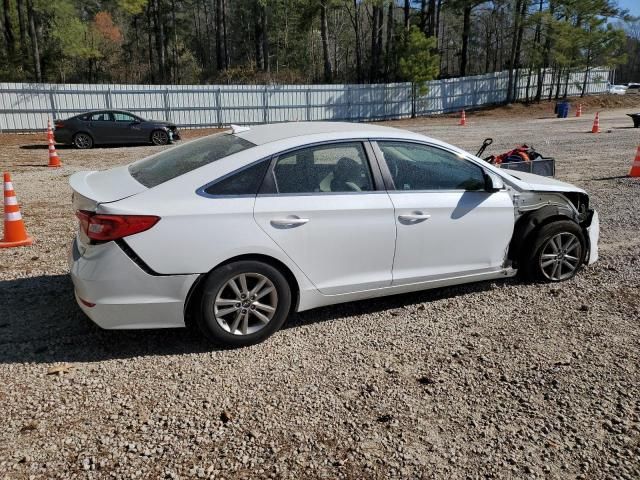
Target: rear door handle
(288,222)
(414,217)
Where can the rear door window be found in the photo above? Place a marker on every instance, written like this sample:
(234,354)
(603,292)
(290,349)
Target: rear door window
(329,168)
(179,160)
(101,117)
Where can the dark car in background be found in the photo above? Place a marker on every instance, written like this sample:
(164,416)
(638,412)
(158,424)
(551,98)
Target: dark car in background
(98,127)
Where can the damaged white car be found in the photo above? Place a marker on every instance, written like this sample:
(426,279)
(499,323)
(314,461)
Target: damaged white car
(234,231)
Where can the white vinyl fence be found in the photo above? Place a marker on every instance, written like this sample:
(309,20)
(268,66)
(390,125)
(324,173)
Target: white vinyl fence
(27,106)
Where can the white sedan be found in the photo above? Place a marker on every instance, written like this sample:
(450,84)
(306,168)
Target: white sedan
(233,232)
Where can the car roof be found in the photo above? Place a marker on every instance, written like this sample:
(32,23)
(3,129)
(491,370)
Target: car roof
(111,110)
(273,132)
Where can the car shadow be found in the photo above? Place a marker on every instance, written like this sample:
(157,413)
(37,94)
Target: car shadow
(41,323)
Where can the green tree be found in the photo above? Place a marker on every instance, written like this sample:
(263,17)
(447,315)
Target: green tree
(418,62)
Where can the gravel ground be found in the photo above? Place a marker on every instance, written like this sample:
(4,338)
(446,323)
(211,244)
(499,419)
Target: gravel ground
(499,379)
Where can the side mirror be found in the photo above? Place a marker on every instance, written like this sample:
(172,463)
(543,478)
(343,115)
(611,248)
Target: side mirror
(493,183)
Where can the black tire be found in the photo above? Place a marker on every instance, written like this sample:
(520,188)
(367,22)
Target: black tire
(159,137)
(217,282)
(531,262)
(82,141)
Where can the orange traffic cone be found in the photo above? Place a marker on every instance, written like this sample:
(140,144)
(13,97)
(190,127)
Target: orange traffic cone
(579,110)
(596,124)
(54,159)
(635,166)
(15,234)
(463,119)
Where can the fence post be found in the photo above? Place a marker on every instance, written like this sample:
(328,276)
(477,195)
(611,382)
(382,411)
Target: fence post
(167,106)
(219,107)
(52,101)
(107,97)
(413,100)
(265,104)
(307,96)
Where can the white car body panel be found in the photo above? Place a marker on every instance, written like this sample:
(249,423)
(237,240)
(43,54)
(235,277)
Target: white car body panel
(594,236)
(455,240)
(124,295)
(358,232)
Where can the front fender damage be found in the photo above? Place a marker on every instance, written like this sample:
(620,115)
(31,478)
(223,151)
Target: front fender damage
(534,209)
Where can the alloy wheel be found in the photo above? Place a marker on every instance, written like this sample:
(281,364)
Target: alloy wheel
(560,257)
(82,140)
(159,137)
(246,303)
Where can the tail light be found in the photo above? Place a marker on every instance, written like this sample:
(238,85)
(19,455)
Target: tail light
(58,123)
(104,228)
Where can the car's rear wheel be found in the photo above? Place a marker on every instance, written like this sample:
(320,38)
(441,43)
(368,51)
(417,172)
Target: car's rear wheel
(159,137)
(82,140)
(557,252)
(243,303)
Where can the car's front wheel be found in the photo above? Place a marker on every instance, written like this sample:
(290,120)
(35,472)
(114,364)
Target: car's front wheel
(243,303)
(159,137)
(556,253)
(82,140)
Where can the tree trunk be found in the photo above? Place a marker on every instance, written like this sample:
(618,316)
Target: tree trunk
(160,41)
(176,70)
(407,13)
(522,13)
(260,34)
(374,44)
(22,23)
(152,67)
(9,38)
(466,31)
(389,63)
(324,34)
(224,33)
(219,31)
(433,19)
(355,21)
(514,45)
(34,41)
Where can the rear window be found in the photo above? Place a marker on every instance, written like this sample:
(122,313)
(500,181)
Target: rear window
(185,158)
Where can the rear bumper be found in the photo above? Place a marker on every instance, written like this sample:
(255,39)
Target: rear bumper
(62,136)
(122,294)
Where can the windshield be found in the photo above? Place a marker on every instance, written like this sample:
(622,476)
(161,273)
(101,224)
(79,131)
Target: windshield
(177,161)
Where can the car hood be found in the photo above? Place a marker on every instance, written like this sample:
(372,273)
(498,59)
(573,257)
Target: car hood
(530,181)
(161,122)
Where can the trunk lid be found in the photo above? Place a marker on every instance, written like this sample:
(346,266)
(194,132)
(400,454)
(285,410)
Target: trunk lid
(92,188)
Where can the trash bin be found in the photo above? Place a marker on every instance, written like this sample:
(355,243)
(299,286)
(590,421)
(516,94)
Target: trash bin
(563,109)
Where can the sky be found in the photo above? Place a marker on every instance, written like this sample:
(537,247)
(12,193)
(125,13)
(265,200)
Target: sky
(632,5)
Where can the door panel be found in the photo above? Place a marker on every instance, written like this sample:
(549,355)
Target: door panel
(323,210)
(465,233)
(343,243)
(101,127)
(448,224)
(126,128)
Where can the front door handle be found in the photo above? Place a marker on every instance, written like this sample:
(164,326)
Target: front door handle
(288,222)
(414,217)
